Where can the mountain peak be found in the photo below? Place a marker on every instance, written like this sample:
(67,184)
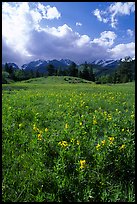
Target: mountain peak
(41,65)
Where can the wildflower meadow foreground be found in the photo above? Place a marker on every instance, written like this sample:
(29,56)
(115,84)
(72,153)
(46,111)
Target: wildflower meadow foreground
(68,142)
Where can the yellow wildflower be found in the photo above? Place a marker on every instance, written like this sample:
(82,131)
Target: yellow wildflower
(94,121)
(66,126)
(80,123)
(109,117)
(78,142)
(82,164)
(111,139)
(63,143)
(46,129)
(20,124)
(98,146)
(72,140)
(34,128)
(122,147)
(103,142)
(39,137)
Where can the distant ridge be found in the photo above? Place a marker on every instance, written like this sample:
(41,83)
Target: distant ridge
(41,65)
(100,67)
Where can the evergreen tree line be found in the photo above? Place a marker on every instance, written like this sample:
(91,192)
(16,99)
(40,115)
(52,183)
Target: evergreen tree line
(21,74)
(125,72)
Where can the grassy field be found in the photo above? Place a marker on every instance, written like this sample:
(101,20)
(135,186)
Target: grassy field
(68,140)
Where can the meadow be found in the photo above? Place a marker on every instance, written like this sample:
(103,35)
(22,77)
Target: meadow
(68,141)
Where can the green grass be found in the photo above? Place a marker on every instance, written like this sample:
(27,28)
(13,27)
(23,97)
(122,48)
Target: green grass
(66,141)
(56,80)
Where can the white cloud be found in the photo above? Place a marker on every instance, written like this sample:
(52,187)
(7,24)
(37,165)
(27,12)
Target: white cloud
(19,21)
(119,8)
(130,32)
(122,50)
(83,40)
(52,13)
(122,8)
(107,39)
(49,12)
(14,26)
(113,11)
(98,14)
(60,31)
(36,16)
(23,38)
(78,24)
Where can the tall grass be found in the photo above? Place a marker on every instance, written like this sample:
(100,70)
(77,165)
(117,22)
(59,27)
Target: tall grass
(68,142)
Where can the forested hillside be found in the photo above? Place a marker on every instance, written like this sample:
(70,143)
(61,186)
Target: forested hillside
(121,72)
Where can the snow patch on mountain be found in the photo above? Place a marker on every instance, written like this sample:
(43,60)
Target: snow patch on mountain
(105,63)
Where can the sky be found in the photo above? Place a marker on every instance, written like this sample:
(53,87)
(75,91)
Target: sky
(79,31)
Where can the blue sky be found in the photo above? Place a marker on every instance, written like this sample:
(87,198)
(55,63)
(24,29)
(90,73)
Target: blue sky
(79,31)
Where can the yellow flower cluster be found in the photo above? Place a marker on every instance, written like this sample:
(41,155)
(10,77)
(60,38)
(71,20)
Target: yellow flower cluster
(63,143)
(103,142)
(109,117)
(98,146)
(38,131)
(94,120)
(82,164)
(39,136)
(78,142)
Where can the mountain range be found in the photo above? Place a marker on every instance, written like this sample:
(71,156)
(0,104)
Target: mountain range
(41,65)
(99,66)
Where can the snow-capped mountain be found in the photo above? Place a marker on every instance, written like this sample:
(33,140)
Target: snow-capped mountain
(66,61)
(34,64)
(15,66)
(103,67)
(41,65)
(106,63)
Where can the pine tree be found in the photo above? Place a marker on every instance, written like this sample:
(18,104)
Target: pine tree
(73,71)
(50,69)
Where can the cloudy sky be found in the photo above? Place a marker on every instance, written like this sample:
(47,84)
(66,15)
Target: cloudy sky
(79,31)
